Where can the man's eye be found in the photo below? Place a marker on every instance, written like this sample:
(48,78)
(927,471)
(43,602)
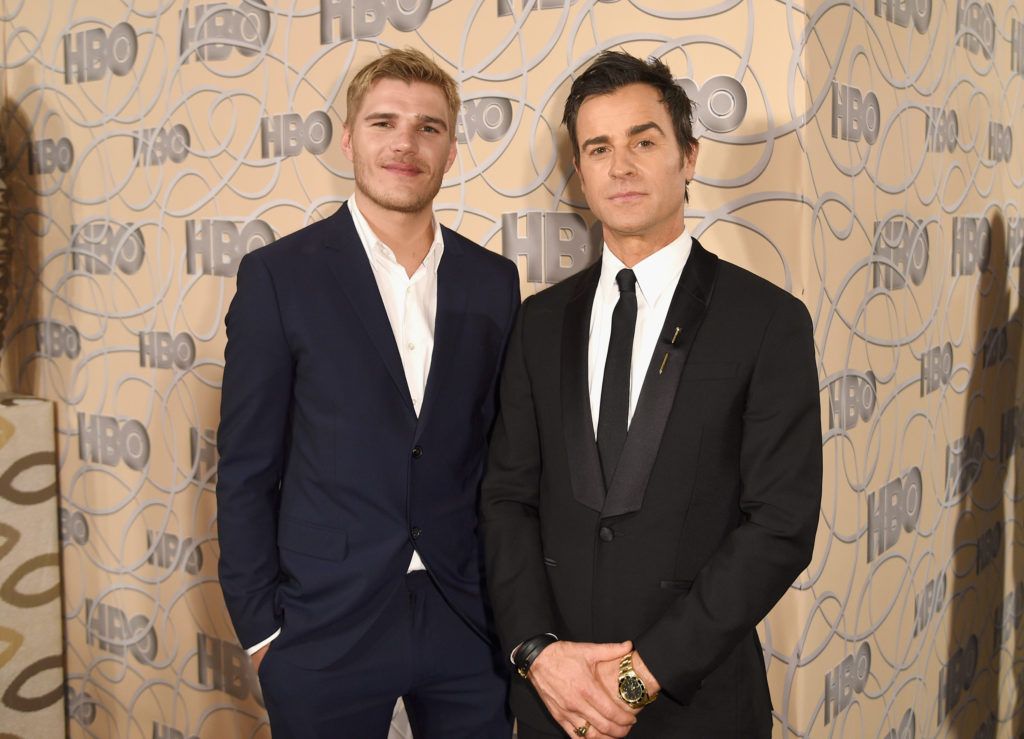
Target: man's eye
(597,150)
(646,143)
(430,129)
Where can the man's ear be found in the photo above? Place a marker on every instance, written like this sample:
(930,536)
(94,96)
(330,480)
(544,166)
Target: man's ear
(690,162)
(346,141)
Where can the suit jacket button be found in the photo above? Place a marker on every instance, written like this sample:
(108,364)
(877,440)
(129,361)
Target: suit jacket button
(606,534)
(416,531)
(417,452)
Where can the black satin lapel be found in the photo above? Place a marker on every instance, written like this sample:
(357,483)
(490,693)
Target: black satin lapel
(584,463)
(657,396)
(348,261)
(452,289)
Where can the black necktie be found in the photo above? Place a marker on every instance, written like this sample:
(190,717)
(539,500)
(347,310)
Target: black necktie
(613,416)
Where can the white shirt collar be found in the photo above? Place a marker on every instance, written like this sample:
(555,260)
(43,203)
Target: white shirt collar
(656,275)
(377,249)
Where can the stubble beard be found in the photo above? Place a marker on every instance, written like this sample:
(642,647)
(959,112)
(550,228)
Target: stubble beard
(407,201)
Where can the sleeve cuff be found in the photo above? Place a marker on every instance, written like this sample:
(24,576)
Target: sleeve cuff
(252,650)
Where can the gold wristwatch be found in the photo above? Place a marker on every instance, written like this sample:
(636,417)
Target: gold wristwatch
(631,687)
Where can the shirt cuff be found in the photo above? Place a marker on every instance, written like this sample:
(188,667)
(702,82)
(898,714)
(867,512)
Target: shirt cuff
(252,650)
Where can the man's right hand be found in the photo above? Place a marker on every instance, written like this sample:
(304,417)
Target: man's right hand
(257,657)
(566,678)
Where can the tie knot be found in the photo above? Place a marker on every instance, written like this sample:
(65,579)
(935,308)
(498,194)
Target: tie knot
(627,281)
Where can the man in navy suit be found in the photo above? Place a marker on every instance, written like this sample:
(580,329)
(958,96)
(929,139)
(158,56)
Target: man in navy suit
(359,390)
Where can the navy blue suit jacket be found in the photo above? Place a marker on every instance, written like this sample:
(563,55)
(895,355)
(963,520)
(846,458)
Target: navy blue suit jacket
(327,478)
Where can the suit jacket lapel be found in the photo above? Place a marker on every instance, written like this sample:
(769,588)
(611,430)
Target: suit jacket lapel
(584,462)
(452,289)
(686,311)
(352,269)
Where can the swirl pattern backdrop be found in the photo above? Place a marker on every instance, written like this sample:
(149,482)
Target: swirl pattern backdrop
(867,155)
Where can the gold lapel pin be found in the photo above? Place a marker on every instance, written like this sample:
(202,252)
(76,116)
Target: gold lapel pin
(664,361)
(675,335)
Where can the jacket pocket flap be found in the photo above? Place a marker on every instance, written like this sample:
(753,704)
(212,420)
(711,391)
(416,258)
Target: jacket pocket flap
(312,539)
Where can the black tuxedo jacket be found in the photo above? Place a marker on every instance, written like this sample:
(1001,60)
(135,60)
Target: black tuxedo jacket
(327,479)
(712,511)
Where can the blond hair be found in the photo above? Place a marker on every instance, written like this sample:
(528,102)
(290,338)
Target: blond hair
(406,65)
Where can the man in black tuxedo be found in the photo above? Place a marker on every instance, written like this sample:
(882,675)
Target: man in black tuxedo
(654,478)
(360,382)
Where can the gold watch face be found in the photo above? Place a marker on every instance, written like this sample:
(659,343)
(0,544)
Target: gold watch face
(631,689)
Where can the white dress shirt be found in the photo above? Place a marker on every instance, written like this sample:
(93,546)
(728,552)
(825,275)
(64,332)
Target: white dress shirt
(656,280)
(411,305)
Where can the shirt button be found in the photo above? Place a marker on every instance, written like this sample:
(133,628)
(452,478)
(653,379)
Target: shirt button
(417,452)
(412,346)
(606,534)
(416,531)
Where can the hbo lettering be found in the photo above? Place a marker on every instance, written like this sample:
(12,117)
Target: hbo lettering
(203,453)
(941,129)
(89,55)
(929,602)
(936,368)
(720,104)
(54,340)
(1007,616)
(103,440)
(901,248)
(97,247)
(345,20)
(854,115)
(851,399)
(287,135)
(217,29)
(216,246)
(905,12)
(157,145)
(224,666)
(160,350)
(994,346)
(907,728)
(113,632)
(956,676)
(488,118)
(73,527)
(168,552)
(46,155)
(976,27)
(897,504)
(1017,47)
(162,731)
(81,707)
(964,458)
(1000,142)
(849,677)
(1011,432)
(972,236)
(556,245)
(990,546)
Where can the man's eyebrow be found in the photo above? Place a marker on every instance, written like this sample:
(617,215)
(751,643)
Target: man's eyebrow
(633,131)
(641,127)
(595,141)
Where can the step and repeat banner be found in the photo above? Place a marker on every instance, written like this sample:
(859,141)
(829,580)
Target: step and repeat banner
(867,156)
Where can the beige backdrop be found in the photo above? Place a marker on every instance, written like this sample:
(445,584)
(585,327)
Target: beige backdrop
(865,155)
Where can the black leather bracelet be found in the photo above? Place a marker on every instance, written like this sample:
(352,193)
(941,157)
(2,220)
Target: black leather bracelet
(529,650)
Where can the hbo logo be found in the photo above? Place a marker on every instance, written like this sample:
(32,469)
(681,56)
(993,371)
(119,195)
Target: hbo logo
(896,505)
(104,440)
(88,55)
(721,103)
(46,155)
(490,118)
(849,676)
(216,246)
(54,340)
(852,399)
(356,19)
(157,145)
(287,135)
(854,114)
(1000,142)
(941,128)
(160,350)
(73,527)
